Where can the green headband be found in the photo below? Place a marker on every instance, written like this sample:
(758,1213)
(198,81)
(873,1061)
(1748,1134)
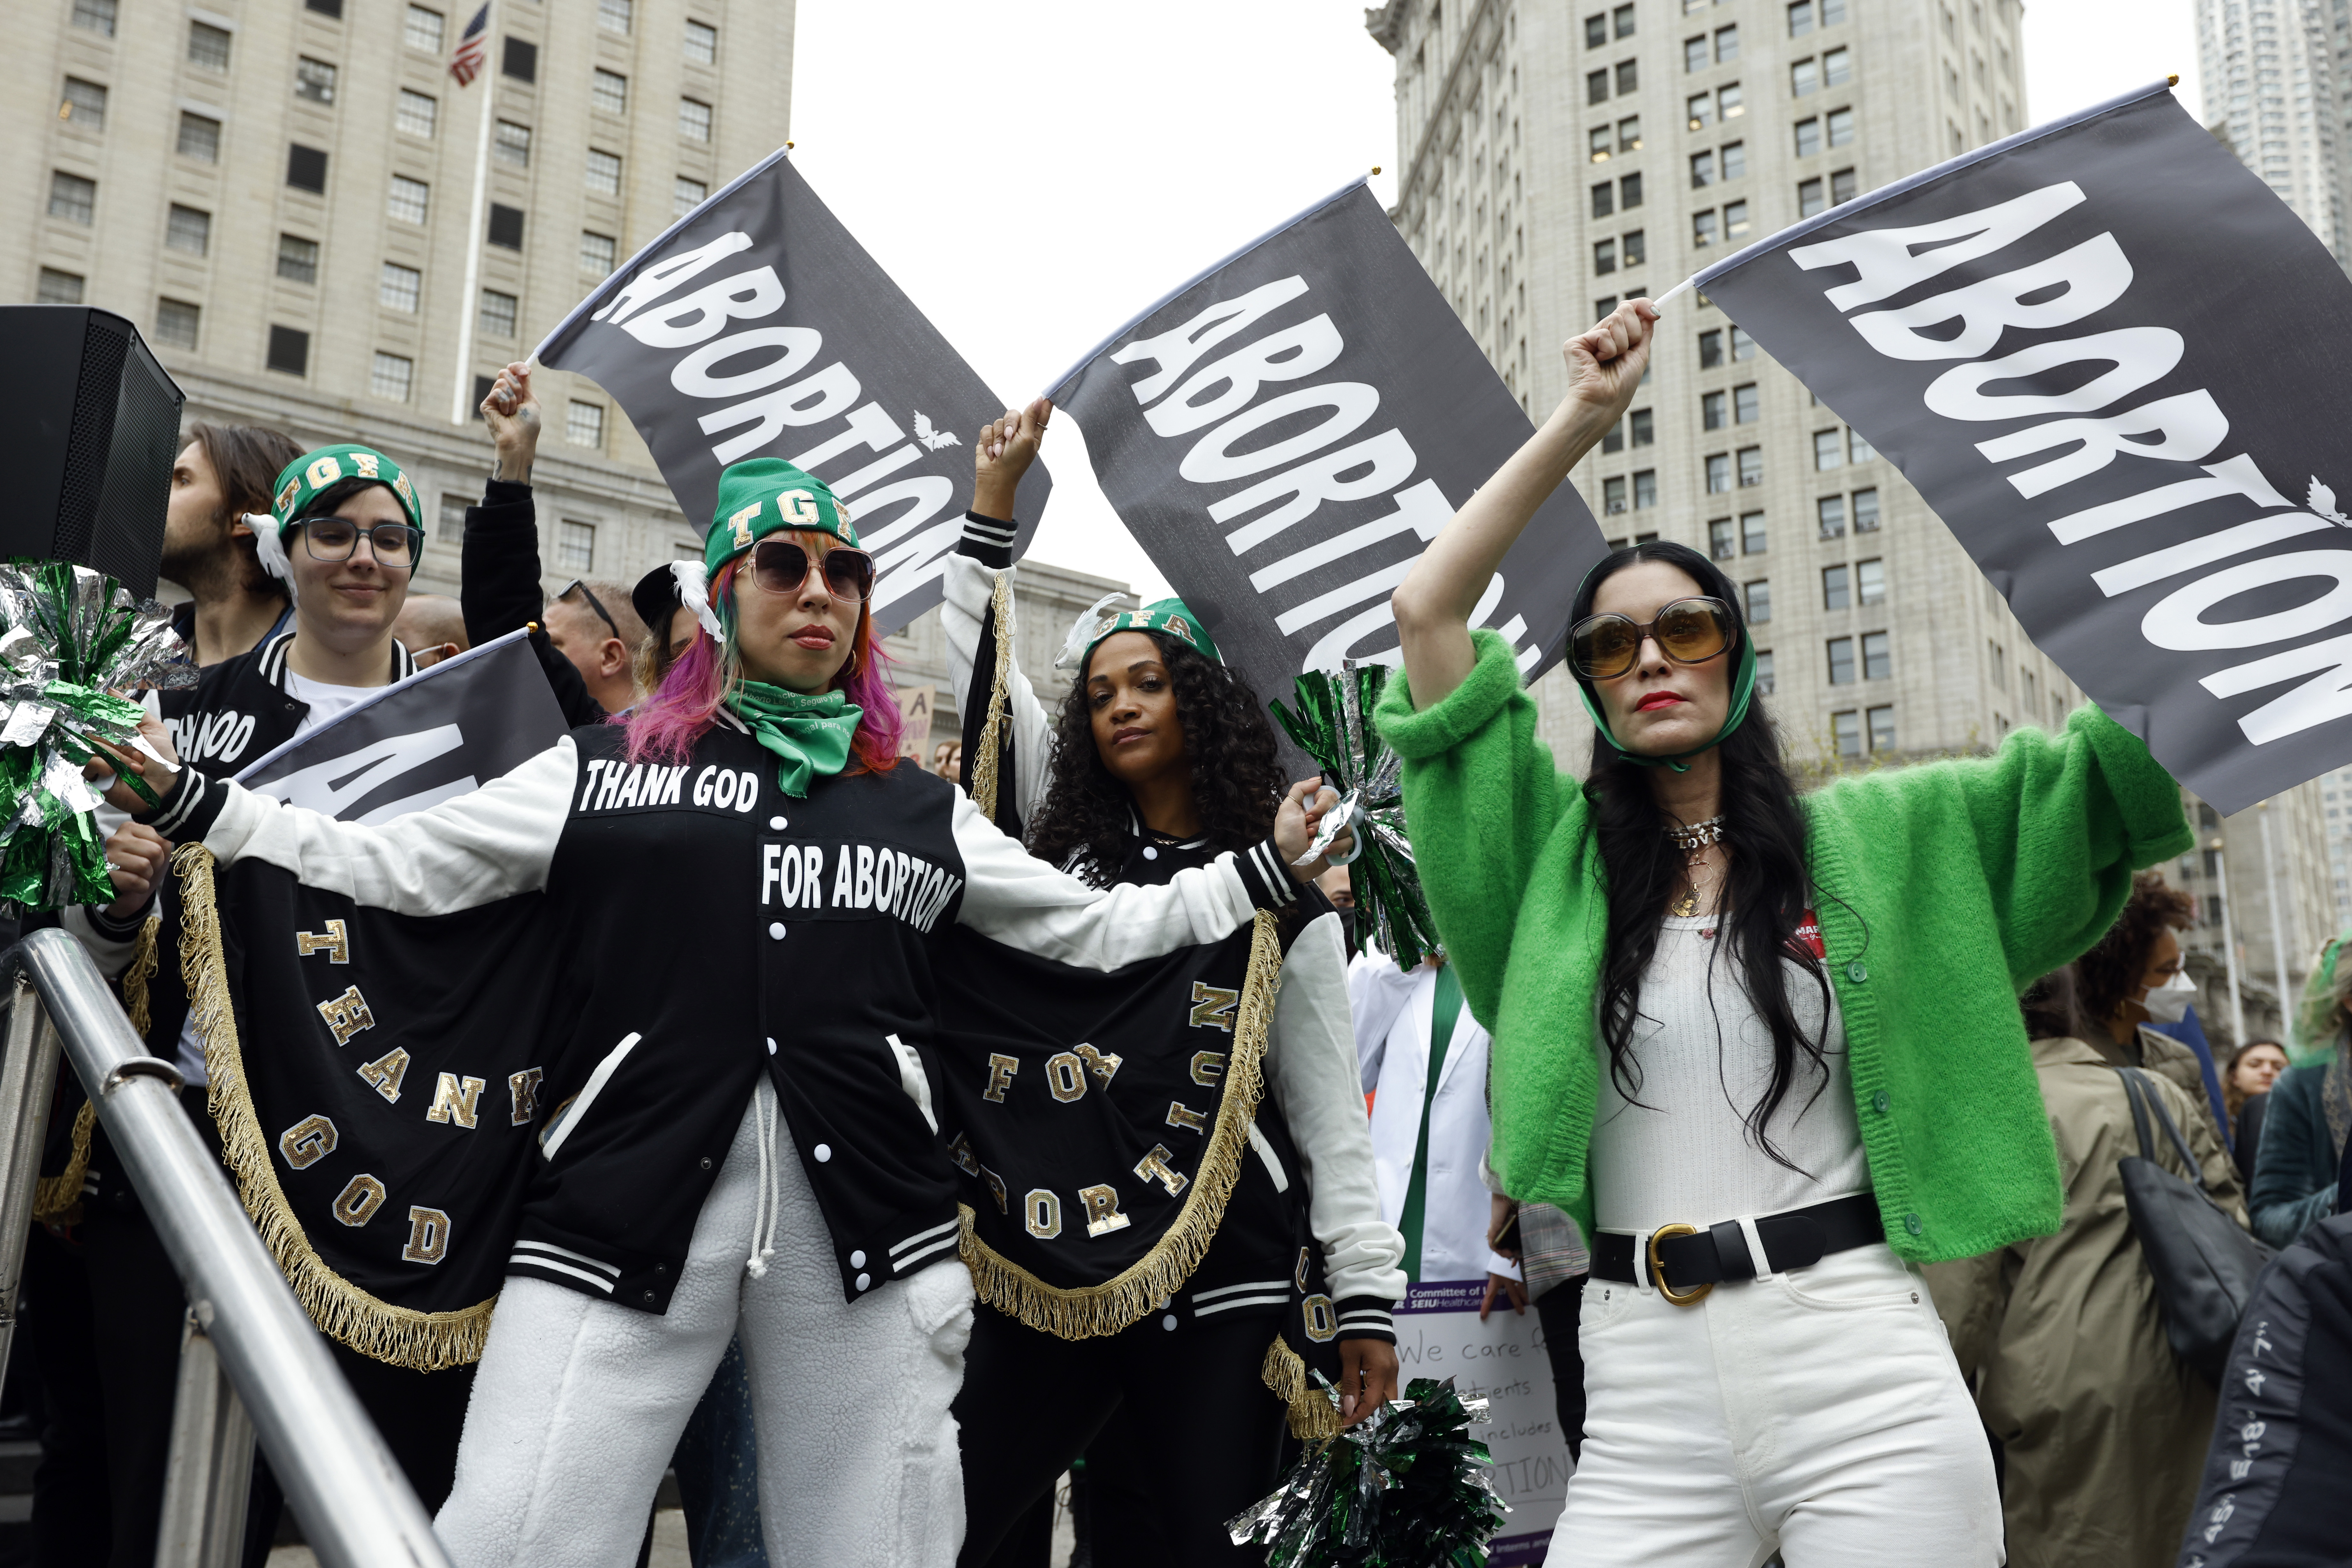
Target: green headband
(301,481)
(1743,691)
(762,495)
(2315,1031)
(1169,615)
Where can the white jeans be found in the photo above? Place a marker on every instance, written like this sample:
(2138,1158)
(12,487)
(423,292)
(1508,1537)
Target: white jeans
(579,1402)
(1817,1414)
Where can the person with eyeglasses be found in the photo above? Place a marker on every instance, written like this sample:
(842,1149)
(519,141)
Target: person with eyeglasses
(1763,1048)
(345,534)
(739,1135)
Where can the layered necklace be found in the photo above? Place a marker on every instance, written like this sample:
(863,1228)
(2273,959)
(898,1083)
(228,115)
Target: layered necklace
(1694,843)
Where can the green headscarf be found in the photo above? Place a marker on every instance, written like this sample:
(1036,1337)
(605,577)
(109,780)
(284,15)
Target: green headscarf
(1743,691)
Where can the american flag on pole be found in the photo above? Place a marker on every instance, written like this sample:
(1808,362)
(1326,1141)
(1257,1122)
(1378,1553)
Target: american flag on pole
(472,45)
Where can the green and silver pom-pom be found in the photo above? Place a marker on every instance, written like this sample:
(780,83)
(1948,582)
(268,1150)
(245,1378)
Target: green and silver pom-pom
(72,642)
(1408,1488)
(1333,726)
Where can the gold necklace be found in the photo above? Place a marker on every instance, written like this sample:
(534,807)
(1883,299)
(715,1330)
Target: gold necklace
(1693,841)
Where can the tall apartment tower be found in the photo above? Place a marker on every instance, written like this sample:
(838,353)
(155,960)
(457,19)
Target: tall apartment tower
(282,194)
(2275,77)
(1555,160)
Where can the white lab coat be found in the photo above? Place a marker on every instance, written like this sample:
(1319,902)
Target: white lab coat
(1392,1011)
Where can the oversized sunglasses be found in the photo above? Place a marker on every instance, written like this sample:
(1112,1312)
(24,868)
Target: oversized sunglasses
(338,538)
(779,566)
(1690,631)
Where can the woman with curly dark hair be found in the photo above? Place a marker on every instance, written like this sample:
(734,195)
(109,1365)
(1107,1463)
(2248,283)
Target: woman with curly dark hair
(1159,758)
(2135,978)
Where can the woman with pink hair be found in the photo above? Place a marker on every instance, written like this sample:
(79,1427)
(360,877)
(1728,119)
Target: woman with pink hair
(735,1123)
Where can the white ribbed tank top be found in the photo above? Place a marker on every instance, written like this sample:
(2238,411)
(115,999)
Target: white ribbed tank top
(1684,1153)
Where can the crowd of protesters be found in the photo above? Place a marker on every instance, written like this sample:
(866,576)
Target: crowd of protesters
(1803,1122)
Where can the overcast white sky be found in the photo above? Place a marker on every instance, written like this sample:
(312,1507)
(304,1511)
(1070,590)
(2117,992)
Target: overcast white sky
(1035,176)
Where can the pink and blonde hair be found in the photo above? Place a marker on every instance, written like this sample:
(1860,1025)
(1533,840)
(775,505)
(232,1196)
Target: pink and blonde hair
(665,727)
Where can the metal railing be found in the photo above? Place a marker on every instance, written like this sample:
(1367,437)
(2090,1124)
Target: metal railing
(356,1508)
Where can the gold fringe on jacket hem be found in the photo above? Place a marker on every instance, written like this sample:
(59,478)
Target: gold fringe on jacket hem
(398,1337)
(1091,1311)
(980,769)
(57,1200)
(1312,1414)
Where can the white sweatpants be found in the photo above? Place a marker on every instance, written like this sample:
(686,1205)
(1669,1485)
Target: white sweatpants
(579,1402)
(1817,1414)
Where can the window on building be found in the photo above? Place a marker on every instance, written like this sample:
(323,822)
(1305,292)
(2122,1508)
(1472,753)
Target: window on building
(1624,17)
(1735,221)
(608,92)
(575,546)
(1830,511)
(498,314)
(1629,191)
(1728,105)
(1809,197)
(417,113)
(1629,135)
(400,289)
(95,16)
(1629,76)
(1751,533)
(1999,665)
(1833,12)
(1604,199)
(1694,55)
(1801,19)
(199,136)
(1596,86)
(1746,407)
(1840,651)
(208,46)
(614,15)
(1727,44)
(452,520)
(1751,466)
(1635,253)
(1836,588)
(290,352)
(1743,346)
(1641,427)
(1764,672)
(1612,495)
(188,229)
(1809,136)
(392,376)
(325,7)
(85,105)
(1604,256)
(1600,139)
(604,173)
(1710,349)
(701,43)
(1602,306)
(2028,689)
(1701,170)
(1722,543)
(1839,123)
(1735,160)
(510,144)
(584,424)
(410,199)
(1614,439)
(505,226)
(1703,227)
(1845,733)
(1865,511)
(314,79)
(1870,582)
(1596,31)
(687,195)
(520,60)
(1804,77)
(1877,655)
(1711,414)
(297,259)
(1837,68)
(1760,601)
(306,169)
(1645,490)
(1699,110)
(693,120)
(72,198)
(1829,450)
(597,253)
(421,29)
(1862,450)
(1718,474)
(56,287)
(176,321)
(1881,728)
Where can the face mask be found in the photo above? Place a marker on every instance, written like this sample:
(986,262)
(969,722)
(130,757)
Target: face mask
(2168,1003)
(1348,929)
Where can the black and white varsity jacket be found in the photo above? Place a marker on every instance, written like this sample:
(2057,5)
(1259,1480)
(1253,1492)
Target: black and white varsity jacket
(798,943)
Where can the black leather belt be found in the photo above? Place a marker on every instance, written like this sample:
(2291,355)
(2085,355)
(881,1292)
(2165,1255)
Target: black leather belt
(1686,1262)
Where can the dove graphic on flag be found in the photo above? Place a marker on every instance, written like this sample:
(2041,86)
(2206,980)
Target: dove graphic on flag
(2322,500)
(931,436)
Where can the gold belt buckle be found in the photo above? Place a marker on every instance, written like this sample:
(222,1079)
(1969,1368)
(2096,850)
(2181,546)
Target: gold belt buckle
(1658,1269)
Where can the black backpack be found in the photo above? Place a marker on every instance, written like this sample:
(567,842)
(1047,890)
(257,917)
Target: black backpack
(2204,1262)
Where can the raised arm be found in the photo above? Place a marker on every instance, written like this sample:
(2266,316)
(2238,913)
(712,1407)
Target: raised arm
(1001,455)
(1435,603)
(499,589)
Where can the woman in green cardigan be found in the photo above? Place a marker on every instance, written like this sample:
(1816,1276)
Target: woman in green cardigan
(1763,1048)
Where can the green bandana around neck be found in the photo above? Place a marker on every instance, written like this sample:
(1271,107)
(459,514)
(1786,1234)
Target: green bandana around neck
(762,496)
(1169,615)
(809,735)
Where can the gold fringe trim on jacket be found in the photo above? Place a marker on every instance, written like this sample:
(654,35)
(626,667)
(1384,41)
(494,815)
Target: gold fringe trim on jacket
(398,1337)
(1312,1414)
(980,769)
(57,1200)
(1093,1310)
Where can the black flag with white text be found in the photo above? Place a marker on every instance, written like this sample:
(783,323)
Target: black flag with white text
(1285,433)
(2104,350)
(758,327)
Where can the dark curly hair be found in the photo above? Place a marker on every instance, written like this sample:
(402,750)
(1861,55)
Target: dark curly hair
(1085,822)
(2113,970)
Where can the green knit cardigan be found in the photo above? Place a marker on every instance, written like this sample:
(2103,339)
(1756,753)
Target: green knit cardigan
(1942,890)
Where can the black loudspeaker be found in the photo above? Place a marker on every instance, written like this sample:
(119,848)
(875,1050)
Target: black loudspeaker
(89,425)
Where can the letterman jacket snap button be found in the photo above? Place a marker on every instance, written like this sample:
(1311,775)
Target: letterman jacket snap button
(649,1295)
(1169,1322)
(772,1045)
(776,825)
(1151,853)
(823,1151)
(705,1162)
(864,1281)
(857,1259)
(776,929)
